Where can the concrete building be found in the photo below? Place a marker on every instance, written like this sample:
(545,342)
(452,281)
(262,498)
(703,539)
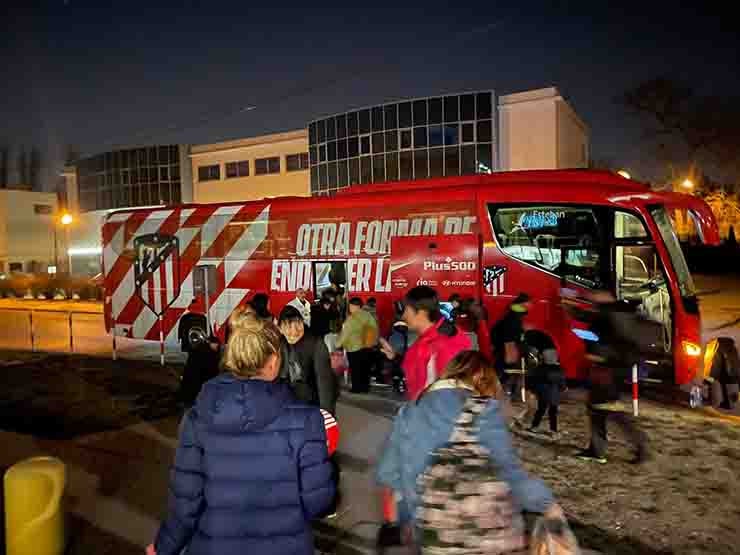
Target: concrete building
(458,134)
(142,176)
(31,237)
(540,130)
(253,168)
(462,134)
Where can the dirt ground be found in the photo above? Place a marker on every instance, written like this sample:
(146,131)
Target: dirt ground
(684,501)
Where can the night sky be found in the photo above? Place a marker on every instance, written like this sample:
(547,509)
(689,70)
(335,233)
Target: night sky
(101,75)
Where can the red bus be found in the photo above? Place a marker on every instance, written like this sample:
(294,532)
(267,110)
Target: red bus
(486,236)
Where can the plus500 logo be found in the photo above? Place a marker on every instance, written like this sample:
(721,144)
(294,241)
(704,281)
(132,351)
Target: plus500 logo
(450,265)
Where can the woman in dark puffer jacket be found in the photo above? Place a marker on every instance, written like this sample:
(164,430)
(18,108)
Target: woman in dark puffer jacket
(252,468)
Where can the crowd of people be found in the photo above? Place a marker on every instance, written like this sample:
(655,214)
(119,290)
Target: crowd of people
(253,467)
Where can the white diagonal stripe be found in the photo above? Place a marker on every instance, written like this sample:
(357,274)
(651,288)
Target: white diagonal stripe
(245,246)
(143,323)
(213,227)
(114,248)
(119,217)
(225,304)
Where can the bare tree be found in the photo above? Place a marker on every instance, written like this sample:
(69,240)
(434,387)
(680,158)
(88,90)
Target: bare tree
(602,164)
(34,169)
(688,127)
(22,167)
(4,165)
(71,154)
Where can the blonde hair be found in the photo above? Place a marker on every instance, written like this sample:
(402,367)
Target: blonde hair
(474,370)
(251,344)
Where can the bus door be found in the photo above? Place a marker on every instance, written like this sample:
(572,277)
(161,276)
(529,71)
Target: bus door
(329,275)
(640,279)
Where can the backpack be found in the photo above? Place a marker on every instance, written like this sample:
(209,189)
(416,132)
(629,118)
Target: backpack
(463,508)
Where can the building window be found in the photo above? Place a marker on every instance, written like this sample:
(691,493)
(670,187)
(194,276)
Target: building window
(209,173)
(43,209)
(263,166)
(15,267)
(295,162)
(237,169)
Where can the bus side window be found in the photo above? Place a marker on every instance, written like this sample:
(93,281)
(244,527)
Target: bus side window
(539,235)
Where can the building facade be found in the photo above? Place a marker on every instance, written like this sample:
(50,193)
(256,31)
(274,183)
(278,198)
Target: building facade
(250,169)
(31,237)
(143,176)
(459,134)
(412,139)
(539,129)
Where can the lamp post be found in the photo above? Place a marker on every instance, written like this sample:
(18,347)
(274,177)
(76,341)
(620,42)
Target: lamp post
(66,220)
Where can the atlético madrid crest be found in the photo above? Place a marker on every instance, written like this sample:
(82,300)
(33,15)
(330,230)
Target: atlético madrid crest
(493,280)
(157,270)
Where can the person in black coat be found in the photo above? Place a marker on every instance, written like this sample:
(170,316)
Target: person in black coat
(547,381)
(305,363)
(324,316)
(619,338)
(202,348)
(507,336)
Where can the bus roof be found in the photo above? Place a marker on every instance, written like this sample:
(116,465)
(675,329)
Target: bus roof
(600,184)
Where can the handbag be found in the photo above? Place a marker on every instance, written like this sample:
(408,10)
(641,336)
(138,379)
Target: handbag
(553,537)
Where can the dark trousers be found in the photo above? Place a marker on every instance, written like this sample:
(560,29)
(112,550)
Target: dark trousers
(625,421)
(200,367)
(544,405)
(360,363)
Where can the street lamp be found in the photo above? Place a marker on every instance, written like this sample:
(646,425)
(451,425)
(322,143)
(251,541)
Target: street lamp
(687,184)
(66,220)
(625,174)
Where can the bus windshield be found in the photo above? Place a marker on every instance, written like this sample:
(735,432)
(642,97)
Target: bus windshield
(685,282)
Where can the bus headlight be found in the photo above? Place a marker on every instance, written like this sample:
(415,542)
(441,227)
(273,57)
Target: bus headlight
(691,349)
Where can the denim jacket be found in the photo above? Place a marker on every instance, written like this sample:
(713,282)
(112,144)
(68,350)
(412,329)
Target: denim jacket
(422,427)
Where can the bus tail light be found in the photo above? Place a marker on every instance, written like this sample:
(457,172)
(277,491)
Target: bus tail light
(691,349)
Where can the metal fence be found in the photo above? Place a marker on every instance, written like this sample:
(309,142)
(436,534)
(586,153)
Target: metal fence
(71,331)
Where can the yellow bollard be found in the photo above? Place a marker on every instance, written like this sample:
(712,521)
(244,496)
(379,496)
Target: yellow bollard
(34,518)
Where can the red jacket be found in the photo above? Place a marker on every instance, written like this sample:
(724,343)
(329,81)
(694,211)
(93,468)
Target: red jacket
(427,358)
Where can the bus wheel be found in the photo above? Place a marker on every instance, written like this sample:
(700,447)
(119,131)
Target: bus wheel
(715,394)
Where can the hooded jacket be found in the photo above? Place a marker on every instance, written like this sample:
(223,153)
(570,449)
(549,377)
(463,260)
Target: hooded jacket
(422,427)
(251,471)
(429,355)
